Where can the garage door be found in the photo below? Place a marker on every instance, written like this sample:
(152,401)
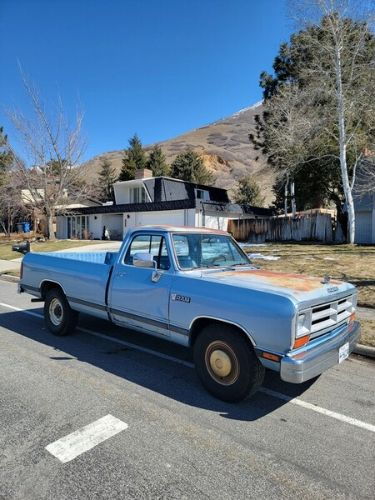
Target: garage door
(363,227)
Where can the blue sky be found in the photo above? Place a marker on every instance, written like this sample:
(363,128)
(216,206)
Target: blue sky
(155,67)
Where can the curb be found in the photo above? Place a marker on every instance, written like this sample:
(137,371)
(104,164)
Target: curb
(364,350)
(8,277)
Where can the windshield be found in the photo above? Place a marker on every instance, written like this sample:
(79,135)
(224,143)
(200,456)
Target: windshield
(207,250)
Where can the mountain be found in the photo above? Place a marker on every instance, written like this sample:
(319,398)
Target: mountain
(224,147)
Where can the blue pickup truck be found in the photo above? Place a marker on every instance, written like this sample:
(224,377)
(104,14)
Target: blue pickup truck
(196,287)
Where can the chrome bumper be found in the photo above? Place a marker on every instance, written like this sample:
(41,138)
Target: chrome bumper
(319,355)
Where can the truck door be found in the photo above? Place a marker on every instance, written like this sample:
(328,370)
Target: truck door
(139,296)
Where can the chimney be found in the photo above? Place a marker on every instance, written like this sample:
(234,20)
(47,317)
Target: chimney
(143,173)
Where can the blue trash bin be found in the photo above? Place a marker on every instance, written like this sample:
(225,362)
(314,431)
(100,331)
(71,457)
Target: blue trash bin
(25,227)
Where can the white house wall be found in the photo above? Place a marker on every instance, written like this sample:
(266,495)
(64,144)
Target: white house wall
(122,190)
(212,221)
(172,217)
(121,194)
(216,222)
(114,224)
(96,226)
(118,224)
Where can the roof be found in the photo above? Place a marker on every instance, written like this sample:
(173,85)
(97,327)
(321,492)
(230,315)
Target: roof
(180,229)
(142,179)
(135,207)
(261,211)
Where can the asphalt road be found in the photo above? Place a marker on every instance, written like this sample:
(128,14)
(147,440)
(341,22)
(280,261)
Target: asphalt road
(178,441)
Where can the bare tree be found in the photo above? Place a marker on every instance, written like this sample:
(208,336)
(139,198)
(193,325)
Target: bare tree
(365,178)
(49,174)
(343,73)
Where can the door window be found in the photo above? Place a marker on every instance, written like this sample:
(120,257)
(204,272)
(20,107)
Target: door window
(149,243)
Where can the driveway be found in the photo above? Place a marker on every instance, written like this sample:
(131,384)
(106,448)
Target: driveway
(110,246)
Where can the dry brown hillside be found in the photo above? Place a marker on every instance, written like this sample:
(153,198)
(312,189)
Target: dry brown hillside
(224,147)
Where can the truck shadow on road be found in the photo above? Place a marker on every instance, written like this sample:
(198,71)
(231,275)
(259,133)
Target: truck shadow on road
(165,377)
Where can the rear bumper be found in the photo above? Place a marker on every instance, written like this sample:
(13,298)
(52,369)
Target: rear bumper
(319,355)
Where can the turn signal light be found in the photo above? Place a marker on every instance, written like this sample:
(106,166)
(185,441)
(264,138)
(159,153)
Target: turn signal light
(301,341)
(272,357)
(352,318)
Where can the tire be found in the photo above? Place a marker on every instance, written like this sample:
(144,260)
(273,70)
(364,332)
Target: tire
(59,318)
(226,364)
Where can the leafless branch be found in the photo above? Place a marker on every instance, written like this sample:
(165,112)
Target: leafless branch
(50,174)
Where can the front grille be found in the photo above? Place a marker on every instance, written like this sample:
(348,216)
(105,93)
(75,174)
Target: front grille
(327,316)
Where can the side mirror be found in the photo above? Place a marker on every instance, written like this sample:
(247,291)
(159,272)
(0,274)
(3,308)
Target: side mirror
(143,260)
(23,247)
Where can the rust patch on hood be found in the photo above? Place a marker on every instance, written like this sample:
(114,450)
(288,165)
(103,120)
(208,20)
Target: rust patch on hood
(296,282)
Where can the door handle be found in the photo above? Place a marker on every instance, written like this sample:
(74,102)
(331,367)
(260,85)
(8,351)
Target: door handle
(121,275)
(156,275)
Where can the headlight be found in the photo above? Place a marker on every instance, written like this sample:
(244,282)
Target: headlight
(303,324)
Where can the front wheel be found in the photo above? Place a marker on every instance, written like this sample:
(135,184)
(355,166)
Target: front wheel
(226,364)
(59,318)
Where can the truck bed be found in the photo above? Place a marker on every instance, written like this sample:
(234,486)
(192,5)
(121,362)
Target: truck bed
(83,276)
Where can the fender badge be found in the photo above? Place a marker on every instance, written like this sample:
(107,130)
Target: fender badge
(180,298)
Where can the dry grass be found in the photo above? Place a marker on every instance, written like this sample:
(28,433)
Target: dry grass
(7,253)
(355,264)
(368,332)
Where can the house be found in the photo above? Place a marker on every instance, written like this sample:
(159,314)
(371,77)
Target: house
(148,200)
(364,200)
(365,219)
(34,200)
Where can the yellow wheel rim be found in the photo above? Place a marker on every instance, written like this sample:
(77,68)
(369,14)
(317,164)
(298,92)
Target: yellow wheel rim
(222,363)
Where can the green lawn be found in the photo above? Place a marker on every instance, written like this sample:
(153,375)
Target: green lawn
(6,252)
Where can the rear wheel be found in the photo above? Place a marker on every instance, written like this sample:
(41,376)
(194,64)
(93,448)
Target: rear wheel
(59,318)
(226,364)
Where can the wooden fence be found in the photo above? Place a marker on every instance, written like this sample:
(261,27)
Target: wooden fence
(303,227)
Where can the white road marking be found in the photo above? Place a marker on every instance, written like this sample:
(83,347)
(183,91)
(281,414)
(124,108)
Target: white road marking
(318,409)
(31,313)
(264,390)
(86,438)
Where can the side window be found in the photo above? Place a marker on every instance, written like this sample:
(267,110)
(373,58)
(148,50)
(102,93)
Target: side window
(181,245)
(184,254)
(147,243)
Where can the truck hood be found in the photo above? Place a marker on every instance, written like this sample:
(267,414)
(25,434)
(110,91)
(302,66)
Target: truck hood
(302,288)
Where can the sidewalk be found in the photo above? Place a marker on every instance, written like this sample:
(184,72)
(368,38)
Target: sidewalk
(10,265)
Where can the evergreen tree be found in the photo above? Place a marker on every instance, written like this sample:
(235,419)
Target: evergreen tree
(134,159)
(107,177)
(5,156)
(157,162)
(249,192)
(188,166)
